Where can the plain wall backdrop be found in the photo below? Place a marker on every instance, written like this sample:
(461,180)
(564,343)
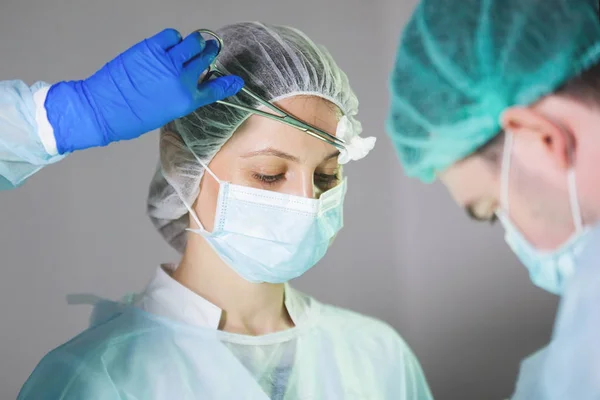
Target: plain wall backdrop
(407,255)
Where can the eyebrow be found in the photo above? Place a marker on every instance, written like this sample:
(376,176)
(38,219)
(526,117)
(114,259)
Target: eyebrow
(281,154)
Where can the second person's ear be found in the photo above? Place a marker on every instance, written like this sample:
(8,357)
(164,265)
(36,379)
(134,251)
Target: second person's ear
(544,136)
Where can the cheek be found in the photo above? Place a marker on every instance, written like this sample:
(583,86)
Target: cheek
(206,205)
(541,213)
(470,181)
(541,233)
(588,189)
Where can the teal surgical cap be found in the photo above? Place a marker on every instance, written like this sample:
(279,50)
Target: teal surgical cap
(461,63)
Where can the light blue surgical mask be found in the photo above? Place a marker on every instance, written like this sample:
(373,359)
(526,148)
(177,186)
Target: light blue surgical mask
(268,236)
(549,270)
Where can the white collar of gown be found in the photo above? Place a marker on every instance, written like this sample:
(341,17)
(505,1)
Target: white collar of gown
(166,297)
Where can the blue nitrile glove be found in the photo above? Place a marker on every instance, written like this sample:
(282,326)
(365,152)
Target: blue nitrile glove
(149,85)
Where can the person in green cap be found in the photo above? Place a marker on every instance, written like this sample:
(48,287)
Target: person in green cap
(500,101)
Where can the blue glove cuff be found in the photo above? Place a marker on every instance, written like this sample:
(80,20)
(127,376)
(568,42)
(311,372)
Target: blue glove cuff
(71,115)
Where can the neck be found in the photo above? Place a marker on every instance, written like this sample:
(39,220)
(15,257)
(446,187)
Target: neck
(248,308)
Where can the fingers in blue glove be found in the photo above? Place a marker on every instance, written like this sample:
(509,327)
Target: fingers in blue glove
(218,89)
(188,49)
(145,87)
(196,66)
(167,38)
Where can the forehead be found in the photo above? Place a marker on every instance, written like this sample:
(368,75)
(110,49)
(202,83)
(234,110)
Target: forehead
(471,180)
(259,132)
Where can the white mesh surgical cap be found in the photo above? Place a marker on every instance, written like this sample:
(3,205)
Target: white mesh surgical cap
(276,62)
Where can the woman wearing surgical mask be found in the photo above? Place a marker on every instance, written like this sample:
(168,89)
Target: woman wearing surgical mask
(250,203)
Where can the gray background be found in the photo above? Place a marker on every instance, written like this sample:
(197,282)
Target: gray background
(407,254)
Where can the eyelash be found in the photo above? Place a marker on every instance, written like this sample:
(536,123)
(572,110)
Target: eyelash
(273,179)
(268,179)
(491,220)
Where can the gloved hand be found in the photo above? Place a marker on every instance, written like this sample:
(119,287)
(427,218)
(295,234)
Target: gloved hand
(147,86)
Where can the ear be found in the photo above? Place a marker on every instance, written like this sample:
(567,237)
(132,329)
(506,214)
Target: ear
(556,140)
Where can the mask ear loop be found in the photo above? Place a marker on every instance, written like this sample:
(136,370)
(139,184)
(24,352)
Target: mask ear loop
(185,203)
(571,182)
(194,216)
(505,171)
(574,198)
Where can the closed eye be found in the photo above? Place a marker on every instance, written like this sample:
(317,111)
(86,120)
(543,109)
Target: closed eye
(470,210)
(268,179)
(323,181)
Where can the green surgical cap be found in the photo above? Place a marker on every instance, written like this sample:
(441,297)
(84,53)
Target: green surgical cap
(461,63)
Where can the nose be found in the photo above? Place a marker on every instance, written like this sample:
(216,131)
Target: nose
(303,185)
